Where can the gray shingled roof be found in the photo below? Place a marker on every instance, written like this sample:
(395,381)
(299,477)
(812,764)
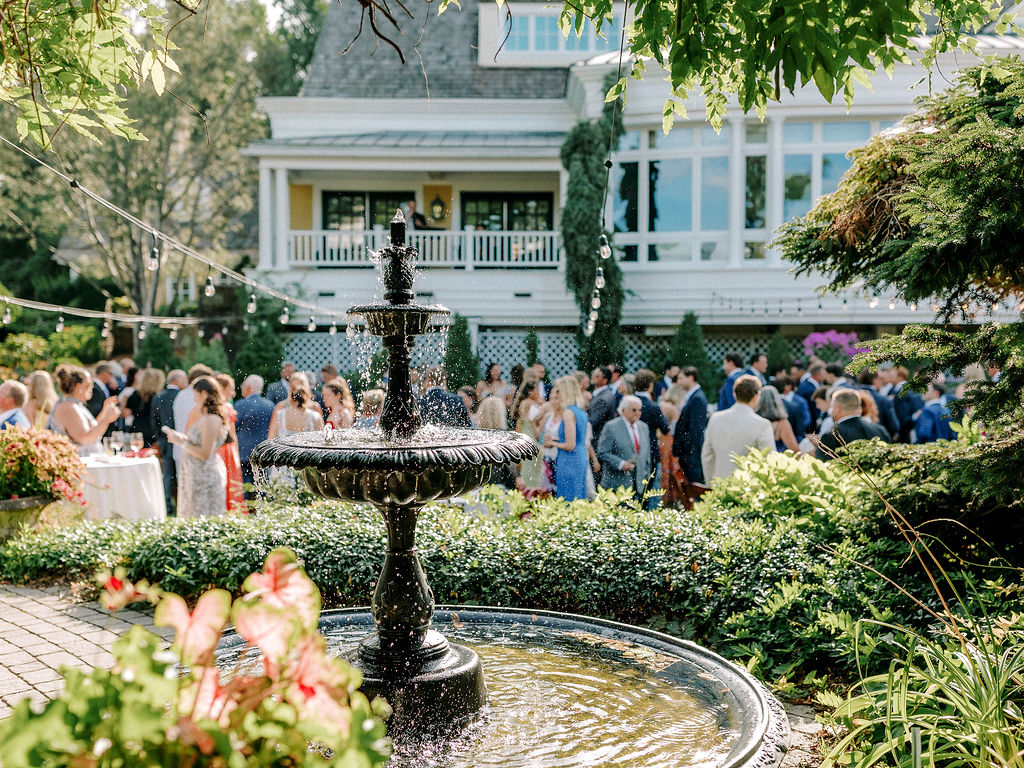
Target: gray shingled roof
(449,58)
(426,140)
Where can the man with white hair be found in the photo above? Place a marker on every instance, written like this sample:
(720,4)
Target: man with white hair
(254,414)
(13,395)
(624,449)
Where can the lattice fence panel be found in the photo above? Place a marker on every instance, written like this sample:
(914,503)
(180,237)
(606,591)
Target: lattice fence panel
(310,351)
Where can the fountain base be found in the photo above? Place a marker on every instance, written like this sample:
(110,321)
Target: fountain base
(433,688)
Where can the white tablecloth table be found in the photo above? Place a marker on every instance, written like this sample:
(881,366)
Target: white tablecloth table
(128,488)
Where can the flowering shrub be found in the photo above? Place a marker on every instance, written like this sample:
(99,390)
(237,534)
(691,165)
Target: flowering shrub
(300,707)
(39,463)
(832,346)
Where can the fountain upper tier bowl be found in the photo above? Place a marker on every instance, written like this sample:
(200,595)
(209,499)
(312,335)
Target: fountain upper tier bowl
(367,466)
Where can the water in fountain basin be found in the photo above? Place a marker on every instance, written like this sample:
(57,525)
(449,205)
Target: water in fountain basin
(428,436)
(568,700)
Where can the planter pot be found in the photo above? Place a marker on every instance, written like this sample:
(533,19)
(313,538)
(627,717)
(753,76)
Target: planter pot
(15,513)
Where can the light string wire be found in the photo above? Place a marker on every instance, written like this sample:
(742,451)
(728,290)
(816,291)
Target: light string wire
(615,114)
(94,314)
(179,246)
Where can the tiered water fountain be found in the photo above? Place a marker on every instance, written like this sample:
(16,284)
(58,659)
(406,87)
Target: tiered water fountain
(565,690)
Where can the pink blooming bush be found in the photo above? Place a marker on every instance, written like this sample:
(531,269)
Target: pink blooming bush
(831,346)
(176,708)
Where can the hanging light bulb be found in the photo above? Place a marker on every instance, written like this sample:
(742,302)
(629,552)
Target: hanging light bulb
(588,331)
(593,315)
(603,248)
(892,304)
(7,314)
(209,290)
(595,303)
(245,326)
(154,259)
(105,330)
(223,330)
(874,302)
(284,316)
(200,333)
(334,328)
(142,331)
(311,325)
(60,324)
(173,333)
(599,279)
(251,306)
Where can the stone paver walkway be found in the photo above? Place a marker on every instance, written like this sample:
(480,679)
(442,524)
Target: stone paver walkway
(42,630)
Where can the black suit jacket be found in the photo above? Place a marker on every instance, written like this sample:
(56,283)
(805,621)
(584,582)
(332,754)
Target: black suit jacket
(846,432)
(162,413)
(601,411)
(444,409)
(651,415)
(886,412)
(689,436)
(906,403)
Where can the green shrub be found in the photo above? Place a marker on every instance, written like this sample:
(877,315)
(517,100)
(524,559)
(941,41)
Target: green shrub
(76,342)
(748,571)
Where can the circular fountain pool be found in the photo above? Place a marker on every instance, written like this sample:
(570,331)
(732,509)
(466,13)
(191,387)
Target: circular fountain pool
(569,691)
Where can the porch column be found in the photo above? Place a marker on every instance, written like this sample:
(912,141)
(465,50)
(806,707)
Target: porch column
(266,227)
(282,219)
(776,189)
(737,191)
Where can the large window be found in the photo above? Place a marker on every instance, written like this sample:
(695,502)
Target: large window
(503,212)
(534,27)
(348,210)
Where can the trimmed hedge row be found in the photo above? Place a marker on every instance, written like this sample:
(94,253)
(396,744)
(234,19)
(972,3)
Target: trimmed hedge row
(752,570)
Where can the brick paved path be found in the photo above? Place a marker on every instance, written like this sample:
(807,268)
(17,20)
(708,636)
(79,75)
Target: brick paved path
(42,630)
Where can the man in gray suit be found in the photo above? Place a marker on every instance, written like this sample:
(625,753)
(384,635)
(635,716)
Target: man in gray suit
(278,391)
(602,402)
(734,431)
(625,449)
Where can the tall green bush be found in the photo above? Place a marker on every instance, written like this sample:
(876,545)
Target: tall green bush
(779,354)
(687,348)
(462,365)
(157,350)
(532,343)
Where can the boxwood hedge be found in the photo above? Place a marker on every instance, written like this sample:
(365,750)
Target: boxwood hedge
(752,570)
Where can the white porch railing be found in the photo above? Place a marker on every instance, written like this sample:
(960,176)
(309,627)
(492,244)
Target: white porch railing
(469,249)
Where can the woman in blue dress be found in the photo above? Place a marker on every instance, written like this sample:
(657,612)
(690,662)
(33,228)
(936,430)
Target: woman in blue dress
(571,440)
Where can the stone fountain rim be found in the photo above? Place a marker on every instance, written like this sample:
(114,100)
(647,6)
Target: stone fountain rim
(434,309)
(493,447)
(762,746)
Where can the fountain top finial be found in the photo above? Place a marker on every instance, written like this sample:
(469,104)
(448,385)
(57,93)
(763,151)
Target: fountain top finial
(398,228)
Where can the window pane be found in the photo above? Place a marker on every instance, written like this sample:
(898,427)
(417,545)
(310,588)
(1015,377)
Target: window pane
(832,169)
(629,140)
(798,186)
(384,204)
(713,250)
(708,137)
(757,133)
(482,211)
(846,131)
(530,214)
(519,37)
(753,250)
(798,133)
(630,252)
(582,43)
(678,138)
(755,192)
(344,210)
(625,196)
(610,41)
(714,198)
(546,34)
(671,195)
(677,251)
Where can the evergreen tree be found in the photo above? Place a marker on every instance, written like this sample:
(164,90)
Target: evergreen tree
(687,348)
(462,366)
(157,350)
(532,347)
(779,354)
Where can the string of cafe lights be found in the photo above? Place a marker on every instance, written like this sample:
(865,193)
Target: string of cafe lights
(156,256)
(604,250)
(767,307)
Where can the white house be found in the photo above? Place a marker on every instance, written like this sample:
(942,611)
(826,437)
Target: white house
(472,134)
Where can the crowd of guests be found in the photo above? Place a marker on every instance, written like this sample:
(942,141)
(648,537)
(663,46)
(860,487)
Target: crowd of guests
(608,428)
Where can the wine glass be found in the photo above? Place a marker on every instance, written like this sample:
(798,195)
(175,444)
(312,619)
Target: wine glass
(135,441)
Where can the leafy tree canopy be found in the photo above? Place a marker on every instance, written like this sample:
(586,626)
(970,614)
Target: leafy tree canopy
(934,209)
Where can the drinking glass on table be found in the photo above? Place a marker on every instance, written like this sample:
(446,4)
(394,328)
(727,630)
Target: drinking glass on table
(116,442)
(135,440)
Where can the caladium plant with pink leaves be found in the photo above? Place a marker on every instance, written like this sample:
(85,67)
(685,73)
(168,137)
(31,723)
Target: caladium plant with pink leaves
(176,707)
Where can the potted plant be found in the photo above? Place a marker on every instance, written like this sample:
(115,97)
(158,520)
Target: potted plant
(37,469)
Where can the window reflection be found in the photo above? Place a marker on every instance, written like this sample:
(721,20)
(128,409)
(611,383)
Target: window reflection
(714,203)
(833,166)
(626,196)
(846,131)
(670,199)
(708,137)
(546,33)
(756,168)
(797,200)
(753,250)
(678,138)
(676,251)
(712,250)
(798,133)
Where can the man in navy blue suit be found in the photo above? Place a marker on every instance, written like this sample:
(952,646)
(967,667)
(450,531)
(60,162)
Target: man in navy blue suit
(733,367)
(650,413)
(797,409)
(933,422)
(254,414)
(440,407)
(693,419)
(808,384)
(906,402)
(661,385)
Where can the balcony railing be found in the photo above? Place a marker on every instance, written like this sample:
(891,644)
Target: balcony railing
(469,249)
